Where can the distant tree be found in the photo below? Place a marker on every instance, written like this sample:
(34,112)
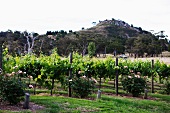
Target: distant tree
(113,19)
(140,29)
(94,23)
(143,44)
(49,33)
(4,37)
(139,47)
(91,49)
(129,45)
(74,33)
(1,51)
(169,47)
(17,34)
(61,34)
(70,31)
(30,40)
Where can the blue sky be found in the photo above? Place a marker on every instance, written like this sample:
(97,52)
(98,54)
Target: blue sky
(43,15)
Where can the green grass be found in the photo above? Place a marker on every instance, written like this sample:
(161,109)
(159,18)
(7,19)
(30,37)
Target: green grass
(107,104)
(165,98)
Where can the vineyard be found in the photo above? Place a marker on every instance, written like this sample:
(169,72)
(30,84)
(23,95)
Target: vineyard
(82,77)
(46,70)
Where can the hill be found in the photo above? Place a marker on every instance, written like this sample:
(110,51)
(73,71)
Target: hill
(109,36)
(116,36)
(118,28)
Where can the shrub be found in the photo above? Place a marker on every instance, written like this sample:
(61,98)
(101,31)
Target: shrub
(82,86)
(91,49)
(134,84)
(11,88)
(167,87)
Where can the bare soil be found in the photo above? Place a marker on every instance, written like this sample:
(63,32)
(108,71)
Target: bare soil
(19,107)
(166,60)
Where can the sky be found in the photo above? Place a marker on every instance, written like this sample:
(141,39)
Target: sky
(41,16)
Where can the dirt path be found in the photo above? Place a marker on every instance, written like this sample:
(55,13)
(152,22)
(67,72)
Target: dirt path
(162,59)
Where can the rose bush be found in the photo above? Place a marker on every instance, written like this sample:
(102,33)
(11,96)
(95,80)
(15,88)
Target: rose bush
(11,88)
(82,86)
(134,84)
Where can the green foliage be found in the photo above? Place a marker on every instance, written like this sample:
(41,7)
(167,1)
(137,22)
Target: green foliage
(133,84)
(47,69)
(167,87)
(88,67)
(11,88)
(169,47)
(145,43)
(82,86)
(106,34)
(163,70)
(100,69)
(110,68)
(91,49)
(77,64)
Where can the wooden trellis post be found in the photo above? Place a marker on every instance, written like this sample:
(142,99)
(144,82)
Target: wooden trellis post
(70,76)
(116,76)
(152,78)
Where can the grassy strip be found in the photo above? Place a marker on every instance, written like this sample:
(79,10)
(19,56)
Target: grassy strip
(106,104)
(165,98)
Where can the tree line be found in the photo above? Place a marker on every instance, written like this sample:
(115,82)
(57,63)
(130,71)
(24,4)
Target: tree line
(20,43)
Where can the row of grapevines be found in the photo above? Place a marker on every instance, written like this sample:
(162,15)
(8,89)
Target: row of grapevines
(46,69)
